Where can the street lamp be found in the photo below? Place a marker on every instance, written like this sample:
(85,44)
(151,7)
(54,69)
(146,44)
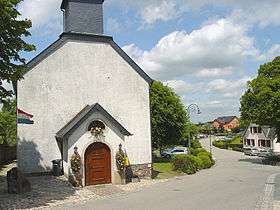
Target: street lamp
(192,108)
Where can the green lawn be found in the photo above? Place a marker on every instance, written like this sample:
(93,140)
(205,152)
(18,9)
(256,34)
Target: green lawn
(236,140)
(163,170)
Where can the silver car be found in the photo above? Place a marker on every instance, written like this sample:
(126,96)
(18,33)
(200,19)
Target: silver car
(174,151)
(250,151)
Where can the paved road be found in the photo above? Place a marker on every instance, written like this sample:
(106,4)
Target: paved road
(237,182)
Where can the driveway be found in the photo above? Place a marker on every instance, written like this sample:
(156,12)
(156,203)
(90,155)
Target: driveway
(235,182)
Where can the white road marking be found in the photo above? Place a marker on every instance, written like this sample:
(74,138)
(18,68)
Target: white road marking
(266,202)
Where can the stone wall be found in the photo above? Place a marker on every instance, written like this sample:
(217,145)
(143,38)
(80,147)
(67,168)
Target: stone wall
(142,170)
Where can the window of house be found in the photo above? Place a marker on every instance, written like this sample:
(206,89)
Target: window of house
(253,142)
(255,130)
(248,142)
(259,130)
(262,143)
(268,143)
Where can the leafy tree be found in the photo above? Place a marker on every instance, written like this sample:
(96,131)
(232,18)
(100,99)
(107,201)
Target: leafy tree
(261,102)
(207,128)
(12,31)
(169,117)
(8,123)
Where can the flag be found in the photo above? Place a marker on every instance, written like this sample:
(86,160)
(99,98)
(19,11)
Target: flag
(24,118)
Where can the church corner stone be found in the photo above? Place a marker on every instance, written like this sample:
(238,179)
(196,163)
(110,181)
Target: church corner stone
(142,170)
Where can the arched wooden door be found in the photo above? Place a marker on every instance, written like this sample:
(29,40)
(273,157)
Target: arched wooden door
(97,164)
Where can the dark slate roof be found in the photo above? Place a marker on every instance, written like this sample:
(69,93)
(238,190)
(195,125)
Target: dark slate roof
(225,119)
(87,38)
(86,112)
(64,2)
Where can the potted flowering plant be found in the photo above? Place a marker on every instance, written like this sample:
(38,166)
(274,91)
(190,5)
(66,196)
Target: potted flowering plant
(96,131)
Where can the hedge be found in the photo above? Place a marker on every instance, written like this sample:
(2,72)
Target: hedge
(190,164)
(185,163)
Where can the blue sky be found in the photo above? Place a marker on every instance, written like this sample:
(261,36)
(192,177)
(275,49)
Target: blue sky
(206,50)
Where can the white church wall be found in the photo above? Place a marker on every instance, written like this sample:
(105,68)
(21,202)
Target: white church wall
(77,74)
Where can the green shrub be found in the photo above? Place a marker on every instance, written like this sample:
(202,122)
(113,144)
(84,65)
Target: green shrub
(238,149)
(195,151)
(236,140)
(195,144)
(199,163)
(206,160)
(188,164)
(205,153)
(275,158)
(220,144)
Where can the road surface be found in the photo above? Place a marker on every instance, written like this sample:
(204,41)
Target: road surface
(236,182)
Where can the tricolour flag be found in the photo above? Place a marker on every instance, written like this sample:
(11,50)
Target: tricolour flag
(24,118)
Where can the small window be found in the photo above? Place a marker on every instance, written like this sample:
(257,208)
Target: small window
(255,130)
(268,143)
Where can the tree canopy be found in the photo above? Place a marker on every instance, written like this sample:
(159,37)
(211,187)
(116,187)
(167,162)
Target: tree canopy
(12,32)
(261,102)
(169,117)
(8,123)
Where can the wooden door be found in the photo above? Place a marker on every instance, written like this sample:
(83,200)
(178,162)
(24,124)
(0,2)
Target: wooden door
(97,164)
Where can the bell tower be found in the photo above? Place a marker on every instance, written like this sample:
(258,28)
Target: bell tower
(83,16)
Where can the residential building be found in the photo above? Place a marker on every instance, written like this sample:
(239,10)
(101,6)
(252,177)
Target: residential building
(226,123)
(261,137)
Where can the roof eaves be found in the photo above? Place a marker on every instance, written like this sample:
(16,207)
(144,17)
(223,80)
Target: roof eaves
(82,115)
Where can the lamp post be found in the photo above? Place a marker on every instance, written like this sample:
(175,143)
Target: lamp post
(192,108)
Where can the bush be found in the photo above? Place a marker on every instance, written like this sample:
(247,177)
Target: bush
(188,164)
(220,144)
(206,160)
(196,151)
(195,144)
(238,149)
(275,158)
(199,163)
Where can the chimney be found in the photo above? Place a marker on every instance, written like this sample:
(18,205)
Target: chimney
(83,16)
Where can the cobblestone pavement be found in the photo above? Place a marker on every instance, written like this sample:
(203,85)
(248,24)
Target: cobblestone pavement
(276,195)
(49,191)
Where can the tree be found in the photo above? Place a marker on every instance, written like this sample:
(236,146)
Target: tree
(12,31)
(261,102)
(8,123)
(169,117)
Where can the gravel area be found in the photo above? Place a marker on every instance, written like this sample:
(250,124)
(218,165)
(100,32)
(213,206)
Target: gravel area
(49,191)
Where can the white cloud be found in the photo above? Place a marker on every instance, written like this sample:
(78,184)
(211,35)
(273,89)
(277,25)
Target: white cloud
(113,25)
(228,88)
(271,53)
(259,12)
(219,46)
(133,51)
(43,13)
(215,72)
(159,11)
(6,85)
(179,86)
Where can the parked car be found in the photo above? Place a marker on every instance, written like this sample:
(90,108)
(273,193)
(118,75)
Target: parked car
(265,152)
(230,136)
(174,151)
(224,138)
(201,136)
(250,151)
